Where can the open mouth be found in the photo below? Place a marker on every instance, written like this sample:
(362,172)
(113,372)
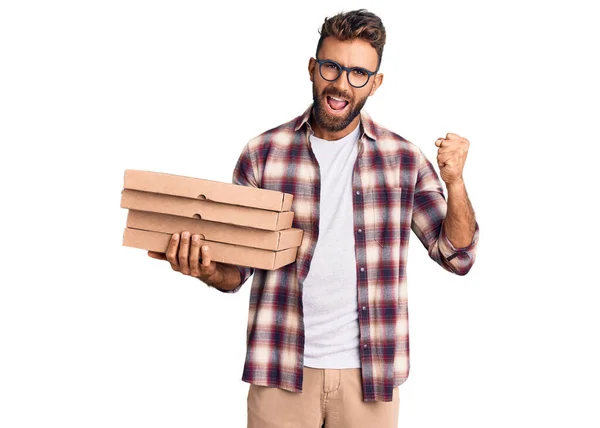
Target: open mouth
(336,105)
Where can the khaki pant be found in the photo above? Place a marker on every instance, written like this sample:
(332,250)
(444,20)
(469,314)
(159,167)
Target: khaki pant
(330,398)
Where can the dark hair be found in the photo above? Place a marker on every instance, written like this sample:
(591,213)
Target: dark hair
(356,24)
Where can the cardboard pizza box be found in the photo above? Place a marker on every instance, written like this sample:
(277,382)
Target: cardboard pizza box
(206,210)
(220,252)
(207,190)
(216,232)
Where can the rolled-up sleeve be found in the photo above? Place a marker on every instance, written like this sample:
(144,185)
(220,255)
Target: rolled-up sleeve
(458,260)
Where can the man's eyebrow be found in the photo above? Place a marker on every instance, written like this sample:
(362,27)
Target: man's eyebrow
(349,66)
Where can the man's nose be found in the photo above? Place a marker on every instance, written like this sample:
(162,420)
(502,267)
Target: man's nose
(342,83)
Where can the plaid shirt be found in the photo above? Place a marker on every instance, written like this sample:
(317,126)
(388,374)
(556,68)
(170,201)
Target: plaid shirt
(395,189)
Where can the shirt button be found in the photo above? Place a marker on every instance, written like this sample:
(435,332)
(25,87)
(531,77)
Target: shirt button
(358,192)
(362,269)
(359,230)
(364,308)
(365,346)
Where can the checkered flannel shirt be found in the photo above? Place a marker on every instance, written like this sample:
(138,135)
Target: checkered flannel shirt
(395,189)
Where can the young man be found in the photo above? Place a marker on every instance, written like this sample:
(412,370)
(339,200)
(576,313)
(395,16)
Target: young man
(328,335)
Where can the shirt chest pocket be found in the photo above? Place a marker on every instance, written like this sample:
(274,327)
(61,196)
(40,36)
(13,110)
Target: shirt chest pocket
(383,214)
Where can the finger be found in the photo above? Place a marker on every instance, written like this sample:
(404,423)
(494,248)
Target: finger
(156,255)
(195,256)
(457,139)
(460,148)
(208,266)
(444,166)
(439,142)
(172,251)
(205,258)
(448,148)
(445,159)
(184,251)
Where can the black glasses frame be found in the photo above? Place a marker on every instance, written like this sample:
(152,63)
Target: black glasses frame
(341,69)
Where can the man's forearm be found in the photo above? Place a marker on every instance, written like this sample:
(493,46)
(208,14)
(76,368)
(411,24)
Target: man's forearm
(227,277)
(459,224)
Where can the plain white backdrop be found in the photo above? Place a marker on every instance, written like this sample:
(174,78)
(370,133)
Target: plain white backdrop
(93,334)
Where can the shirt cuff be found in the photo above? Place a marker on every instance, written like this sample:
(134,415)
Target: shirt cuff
(449,251)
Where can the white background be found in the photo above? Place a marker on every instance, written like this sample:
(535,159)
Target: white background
(93,334)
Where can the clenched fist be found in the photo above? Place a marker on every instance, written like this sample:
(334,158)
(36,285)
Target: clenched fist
(452,154)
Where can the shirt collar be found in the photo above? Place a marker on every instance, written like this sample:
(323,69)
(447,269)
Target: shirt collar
(367,124)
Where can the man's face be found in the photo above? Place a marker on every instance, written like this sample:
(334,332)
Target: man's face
(337,104)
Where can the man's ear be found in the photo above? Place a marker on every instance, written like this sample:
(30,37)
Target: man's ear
(311,68)
(377,81)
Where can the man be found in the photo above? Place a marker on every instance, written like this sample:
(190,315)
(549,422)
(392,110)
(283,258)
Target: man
(328,335)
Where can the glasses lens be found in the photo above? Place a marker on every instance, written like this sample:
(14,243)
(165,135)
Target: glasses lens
(358,77)
(330,70)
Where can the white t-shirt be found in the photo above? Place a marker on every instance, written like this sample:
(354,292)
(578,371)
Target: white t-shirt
(329,290)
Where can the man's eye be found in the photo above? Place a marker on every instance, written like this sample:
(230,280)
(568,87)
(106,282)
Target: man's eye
(330,65)
(359,72)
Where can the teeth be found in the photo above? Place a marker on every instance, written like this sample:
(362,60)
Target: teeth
(337,99)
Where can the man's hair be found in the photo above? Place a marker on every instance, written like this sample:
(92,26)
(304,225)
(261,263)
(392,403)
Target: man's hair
(356,24)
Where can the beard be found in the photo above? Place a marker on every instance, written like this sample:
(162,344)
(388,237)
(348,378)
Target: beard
(335,123)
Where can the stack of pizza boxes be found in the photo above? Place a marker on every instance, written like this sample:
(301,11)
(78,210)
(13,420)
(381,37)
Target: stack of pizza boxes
(242,225)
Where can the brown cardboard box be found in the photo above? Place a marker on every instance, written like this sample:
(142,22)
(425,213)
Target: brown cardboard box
(196,188)
(206,210)
(216,232)
(220,252)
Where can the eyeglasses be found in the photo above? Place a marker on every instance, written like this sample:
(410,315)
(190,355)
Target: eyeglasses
(331,71)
